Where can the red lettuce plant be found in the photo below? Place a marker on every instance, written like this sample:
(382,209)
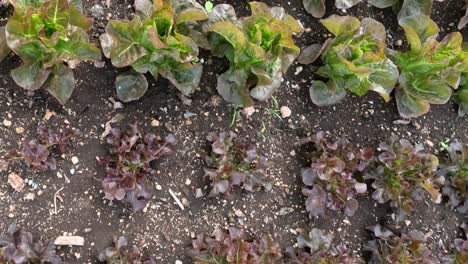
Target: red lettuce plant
(132,152)
(20,247)
(456,176)
(461,249)
(231,247)
(233,163)
(407,248)
(122,253)
(318,248)
(38,153)
(403,172)
(331,178)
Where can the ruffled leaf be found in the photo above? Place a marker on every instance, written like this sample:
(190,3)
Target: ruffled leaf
(315,7)
(130,86)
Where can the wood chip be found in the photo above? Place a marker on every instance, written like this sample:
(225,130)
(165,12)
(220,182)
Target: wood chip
(69,241)
(16,182)
(48,115)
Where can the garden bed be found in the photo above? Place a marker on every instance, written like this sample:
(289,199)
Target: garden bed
(166,230)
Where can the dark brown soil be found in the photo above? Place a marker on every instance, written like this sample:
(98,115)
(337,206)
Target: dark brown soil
(166,230)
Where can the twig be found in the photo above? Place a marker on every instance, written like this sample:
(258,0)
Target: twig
(55,199)
(176,199)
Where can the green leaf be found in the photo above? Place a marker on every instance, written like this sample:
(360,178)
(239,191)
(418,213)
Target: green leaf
(230,32)
(410,106)
(61,83)
(461,96)
(208,6)
(77,47)
(232,86)
(341,24)
(30,76)
(266,85)
(185,77)
(4,49)
(345,4)
(125,38)
(315,7)
(130,86)
(55,13)
(144,8)
(326,94)
(415,7)
(433,91)
(384,78)
(418,29)
(382,3)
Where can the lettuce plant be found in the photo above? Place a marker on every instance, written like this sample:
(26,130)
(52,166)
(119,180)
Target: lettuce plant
(129,164)
(38,153)
(403,172)
(331,178)
(404,7)
(20,247)
(318,248)
(50,37)
(232,247)
(232,163)
(353,61)
(460,254)
(152,42)
(455,172)
(464,20)
(387,247)
(123,253)
(461,96)
(259,48)
(429,69)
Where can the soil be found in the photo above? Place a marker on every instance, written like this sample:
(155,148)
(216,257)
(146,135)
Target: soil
(163,228)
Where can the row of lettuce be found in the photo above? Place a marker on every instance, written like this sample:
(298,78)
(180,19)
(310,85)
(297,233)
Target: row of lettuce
(233,247)
(165,36)
(401,174)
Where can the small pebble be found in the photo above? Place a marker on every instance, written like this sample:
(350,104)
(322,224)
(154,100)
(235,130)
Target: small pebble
(158,187)
(154,123)
(74,160)
(19,130)
(7,123)
(188,182)
(285,112)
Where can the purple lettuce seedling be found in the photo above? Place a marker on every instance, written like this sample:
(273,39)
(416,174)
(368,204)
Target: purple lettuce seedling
(232,163)
(129,163)
(232,247)
(123,253)
(456,176)
(318,248)
(38,153)
(20,247)
(331,178)
(403,173)
(386,247)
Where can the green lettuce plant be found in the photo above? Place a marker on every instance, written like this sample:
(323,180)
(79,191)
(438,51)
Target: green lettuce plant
(152,42)
(353,61)
(259,48)
(460,97)
(404,172)
(429,69)
(403,7)
(50,37)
